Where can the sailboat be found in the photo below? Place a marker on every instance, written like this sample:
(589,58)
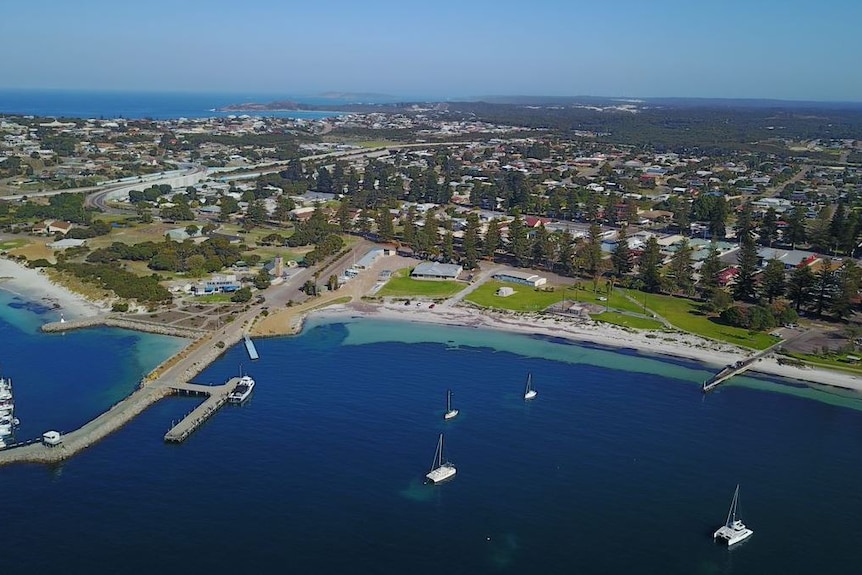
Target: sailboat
(529,392)
(733,530)
(450,413)
(440,470)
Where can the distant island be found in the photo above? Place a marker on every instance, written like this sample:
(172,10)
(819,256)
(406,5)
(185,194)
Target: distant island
(278,106)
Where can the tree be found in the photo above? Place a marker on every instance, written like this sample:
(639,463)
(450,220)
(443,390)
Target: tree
(343,216)
(824,287)
(649,272)
(241,295)
(796,233)
(744,288)
(847,280)
(542,248)
(769,227)
(819,235)
(799,286)
(773,280)
(492,239)
(519,243)
(256,213)
(385,225)
(448,246)
(192,230)
(621,258)
(471,242)
(565,253)
(709,271)
(592,252)
(332,283)
(262,279)
(680,269)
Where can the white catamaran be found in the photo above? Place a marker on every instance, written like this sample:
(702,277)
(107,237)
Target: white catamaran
(529,392)
(450,413)
(734,530)
(440,470)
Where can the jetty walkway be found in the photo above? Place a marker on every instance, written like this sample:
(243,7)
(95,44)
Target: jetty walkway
(743,365)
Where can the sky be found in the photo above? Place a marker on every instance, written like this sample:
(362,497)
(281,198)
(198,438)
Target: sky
(440,49)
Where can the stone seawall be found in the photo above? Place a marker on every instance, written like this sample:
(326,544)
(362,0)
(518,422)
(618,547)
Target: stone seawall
(122,322)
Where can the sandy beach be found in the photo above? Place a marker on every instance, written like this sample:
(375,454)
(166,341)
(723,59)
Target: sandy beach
(35,286)
(670,344)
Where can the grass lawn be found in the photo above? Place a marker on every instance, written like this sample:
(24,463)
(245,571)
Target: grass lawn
(401,285)
(213,298)
(525,298)
(627,320)
(12,244)
(613,300)
(685,315)
(839,363)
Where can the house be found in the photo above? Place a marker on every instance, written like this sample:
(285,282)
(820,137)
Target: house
(436,271)
(52,227)
(517,277)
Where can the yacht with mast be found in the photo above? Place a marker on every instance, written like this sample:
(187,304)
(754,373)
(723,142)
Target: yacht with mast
(450,413)
(529,392)
(733,531)
(441,470)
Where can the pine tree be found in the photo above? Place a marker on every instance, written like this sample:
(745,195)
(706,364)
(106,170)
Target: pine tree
(542,249)
(769,227)
(773,280)
(799,286)
(649,270)
(565,253)
(409,232)
(847,281)
(681,270)
(471,242)
(593,250)
(824,287)
(709,271)
(796,232)
(744,288)
(385,225)
(492,239)
(519,243)
(621,258)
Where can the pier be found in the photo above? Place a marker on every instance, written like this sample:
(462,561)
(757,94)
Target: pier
(217,397)
(249,347)
(740,366)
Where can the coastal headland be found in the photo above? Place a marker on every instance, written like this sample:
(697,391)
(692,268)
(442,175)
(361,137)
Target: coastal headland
(206,345)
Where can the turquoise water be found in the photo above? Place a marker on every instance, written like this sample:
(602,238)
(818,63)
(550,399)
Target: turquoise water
(619,466)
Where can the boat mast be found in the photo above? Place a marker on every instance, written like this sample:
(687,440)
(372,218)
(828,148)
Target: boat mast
(438,455)
(731,514)
(448,400)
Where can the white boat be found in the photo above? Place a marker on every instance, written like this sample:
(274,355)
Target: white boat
(450,413)
(440,470)
(529,392)
(242,390)
(734,530)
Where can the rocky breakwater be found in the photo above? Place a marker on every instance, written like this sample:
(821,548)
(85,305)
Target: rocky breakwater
(123,322)
(92,432)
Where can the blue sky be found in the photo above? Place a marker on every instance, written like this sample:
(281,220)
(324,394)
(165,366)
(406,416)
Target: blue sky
(784,49)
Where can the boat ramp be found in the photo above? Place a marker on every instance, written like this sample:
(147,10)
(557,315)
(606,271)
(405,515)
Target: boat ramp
(740,366)
(249,347)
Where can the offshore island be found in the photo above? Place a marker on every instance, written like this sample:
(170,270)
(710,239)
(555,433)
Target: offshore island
(495,216)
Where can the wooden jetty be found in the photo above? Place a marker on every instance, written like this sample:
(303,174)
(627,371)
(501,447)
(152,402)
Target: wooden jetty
(217,397)
(249,347)
(726,373)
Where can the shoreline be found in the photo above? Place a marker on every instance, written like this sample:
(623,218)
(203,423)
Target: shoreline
(34,286)
(677,345)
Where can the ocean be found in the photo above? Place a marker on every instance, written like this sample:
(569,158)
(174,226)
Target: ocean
(620,465)
(150,105)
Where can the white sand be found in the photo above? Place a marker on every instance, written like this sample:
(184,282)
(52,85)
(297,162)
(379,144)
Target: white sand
(676,344)
(34,285)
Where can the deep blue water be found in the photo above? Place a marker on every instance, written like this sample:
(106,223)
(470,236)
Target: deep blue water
(152,105)
(619,466)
